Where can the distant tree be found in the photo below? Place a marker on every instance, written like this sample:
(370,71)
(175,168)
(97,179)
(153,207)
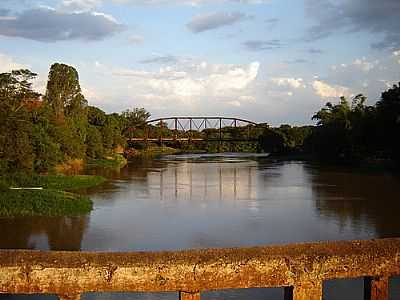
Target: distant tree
(94,143)
(96,116)
(272,141)
(133,119)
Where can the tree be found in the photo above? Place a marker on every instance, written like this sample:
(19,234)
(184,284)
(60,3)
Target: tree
(133,119)
(272,141)
(96,116)
(69,106)
(388,115)
(63,89)
(94,143)
(15,124)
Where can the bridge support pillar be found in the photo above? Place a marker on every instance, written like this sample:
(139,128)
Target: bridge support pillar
(376,288)
(189,296)
(69,297)
(304,291)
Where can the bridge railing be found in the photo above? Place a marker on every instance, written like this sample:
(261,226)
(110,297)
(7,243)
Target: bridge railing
(300,268)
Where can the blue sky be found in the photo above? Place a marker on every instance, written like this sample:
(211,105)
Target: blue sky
(265,60)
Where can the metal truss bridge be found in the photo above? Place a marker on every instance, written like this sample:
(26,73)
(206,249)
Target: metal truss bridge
(192,129)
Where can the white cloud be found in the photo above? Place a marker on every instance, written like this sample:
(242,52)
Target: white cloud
(8,64)
(365,65)
(185,2)
(325,90)
(397,54)
(214,20)
(50,25)
(235,103)
(236,78)
(80,5)
(136,39)
(247,98)
(287,81)
(189,82)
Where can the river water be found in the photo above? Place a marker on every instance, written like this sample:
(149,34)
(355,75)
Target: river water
(229,200)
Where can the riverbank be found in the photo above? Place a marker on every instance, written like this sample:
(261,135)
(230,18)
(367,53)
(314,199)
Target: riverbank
(40,195)
(150,152)
(115,161)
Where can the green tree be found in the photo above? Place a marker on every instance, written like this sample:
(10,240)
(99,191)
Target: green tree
(94,143)
(134,119)
(272,141)
(15,124)
(63,90)
(388,115)
(64,96)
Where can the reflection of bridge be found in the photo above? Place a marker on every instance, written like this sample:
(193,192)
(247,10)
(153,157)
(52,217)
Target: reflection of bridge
(191,129)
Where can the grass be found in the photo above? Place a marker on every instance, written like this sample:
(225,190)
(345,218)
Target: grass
(157,151)
(52,200)
(55,182)
(113,162)
(42,203)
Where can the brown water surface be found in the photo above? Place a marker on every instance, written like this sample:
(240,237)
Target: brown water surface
(199,201)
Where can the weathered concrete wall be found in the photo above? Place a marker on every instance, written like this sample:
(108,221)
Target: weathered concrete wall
(303,266)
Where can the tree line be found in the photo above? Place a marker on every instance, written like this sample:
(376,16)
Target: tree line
(347,132)
(39,132)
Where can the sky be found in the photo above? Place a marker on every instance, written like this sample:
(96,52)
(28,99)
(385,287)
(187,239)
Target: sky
(273,61)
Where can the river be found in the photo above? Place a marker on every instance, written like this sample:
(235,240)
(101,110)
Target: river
(200,201)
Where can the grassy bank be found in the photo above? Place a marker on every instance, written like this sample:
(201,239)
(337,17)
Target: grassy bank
(42,203)
(54,182)
(51,200)
(154,151)
(113,162)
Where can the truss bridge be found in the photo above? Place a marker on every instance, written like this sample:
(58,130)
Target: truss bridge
(195,129)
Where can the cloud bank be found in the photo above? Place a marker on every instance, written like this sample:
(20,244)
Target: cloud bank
(380,18)
(210,21)
(50,25)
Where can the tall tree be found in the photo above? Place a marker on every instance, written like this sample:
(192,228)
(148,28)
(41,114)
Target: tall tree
(63,90)
(69,106)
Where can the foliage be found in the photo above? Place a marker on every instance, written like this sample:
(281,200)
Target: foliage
(58,182)
(63,91)
(42,203)
(355,132)
(38,135)
(134,119)
(52,200)
(15,129)
(94,143)
(114,162)
(284,139)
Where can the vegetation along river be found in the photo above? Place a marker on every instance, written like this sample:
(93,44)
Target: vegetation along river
(199,201)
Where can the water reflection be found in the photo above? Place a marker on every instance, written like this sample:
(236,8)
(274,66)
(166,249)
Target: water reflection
(60,233)
(358,199)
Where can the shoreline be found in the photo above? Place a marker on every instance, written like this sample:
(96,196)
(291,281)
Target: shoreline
(46,195)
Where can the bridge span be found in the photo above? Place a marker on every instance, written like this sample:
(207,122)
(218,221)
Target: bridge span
(192,129)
